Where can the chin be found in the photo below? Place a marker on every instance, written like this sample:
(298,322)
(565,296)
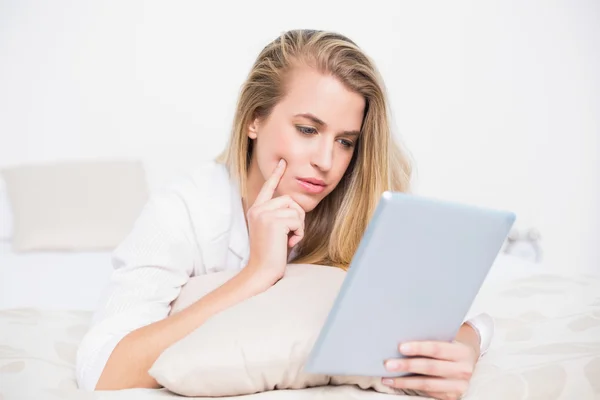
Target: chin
(307,203)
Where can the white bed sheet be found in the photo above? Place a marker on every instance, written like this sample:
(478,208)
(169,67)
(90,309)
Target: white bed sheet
(546,346)
(52,280)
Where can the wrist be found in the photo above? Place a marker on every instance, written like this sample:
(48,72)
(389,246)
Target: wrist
(242,286)
(252,281)
(469,335)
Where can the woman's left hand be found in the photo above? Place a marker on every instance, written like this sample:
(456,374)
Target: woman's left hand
(444,369)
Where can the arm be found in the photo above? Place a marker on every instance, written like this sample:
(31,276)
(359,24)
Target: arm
(132,326)
(133,356)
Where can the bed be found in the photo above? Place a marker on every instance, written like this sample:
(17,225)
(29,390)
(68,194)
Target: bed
(547,342)
(52,280)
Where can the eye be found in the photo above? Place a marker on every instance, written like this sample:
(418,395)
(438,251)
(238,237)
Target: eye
(306,130)
(346,143)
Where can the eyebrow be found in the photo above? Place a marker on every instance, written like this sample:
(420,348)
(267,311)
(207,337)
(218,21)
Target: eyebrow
(320,122)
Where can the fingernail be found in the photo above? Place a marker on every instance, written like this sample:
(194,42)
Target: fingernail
(405,348)
(281,162)
(388,382)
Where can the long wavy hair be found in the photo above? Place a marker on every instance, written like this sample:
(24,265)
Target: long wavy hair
(335,227)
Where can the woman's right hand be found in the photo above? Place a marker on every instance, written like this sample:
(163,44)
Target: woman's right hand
(274,224)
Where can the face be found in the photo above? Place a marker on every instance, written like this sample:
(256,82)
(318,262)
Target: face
(314,129)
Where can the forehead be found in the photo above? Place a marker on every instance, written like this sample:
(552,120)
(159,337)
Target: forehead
(323,95)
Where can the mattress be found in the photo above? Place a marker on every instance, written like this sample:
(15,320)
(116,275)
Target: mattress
(546,346)
(52,280)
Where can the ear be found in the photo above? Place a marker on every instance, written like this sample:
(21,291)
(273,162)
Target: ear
(253,129)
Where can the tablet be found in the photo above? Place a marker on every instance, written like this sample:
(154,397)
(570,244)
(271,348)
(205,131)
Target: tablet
(414,276)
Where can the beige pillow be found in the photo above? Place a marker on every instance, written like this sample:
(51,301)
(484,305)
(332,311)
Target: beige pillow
(78,205)
(258,345)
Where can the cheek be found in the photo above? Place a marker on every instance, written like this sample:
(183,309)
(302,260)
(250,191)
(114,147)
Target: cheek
(340,167)
(273,145)
(343,162)
(282,144)
(290,147)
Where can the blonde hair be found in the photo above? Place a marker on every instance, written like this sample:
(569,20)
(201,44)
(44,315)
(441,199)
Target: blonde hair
(335,227)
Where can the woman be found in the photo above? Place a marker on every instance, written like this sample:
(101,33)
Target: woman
(309,156)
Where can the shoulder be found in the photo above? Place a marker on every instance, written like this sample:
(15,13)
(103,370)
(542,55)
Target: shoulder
(210,172)
(184,214)
(198,198)
(204,182)
(205,173)
(204,197)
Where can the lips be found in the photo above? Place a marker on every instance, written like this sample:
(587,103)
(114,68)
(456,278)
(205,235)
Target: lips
(313,181)
(311,185)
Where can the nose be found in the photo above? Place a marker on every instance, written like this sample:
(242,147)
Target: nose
(322,155)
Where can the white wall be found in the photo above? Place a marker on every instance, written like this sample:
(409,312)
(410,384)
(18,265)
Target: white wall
(498,101)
